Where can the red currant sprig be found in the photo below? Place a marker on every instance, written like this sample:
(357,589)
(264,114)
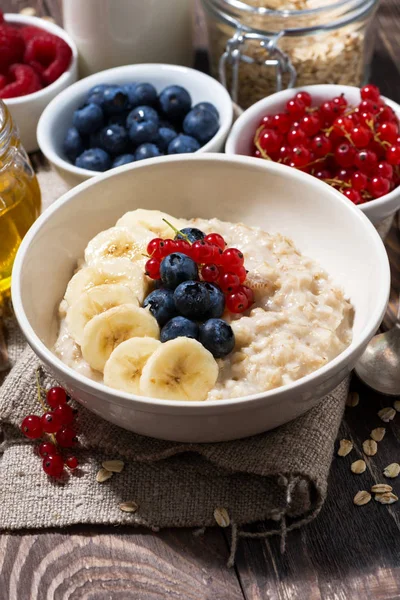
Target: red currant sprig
(57,423)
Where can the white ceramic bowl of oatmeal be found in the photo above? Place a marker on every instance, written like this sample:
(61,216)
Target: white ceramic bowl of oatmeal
(280,200)
(241,136)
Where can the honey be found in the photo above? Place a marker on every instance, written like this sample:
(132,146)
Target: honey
(20,200)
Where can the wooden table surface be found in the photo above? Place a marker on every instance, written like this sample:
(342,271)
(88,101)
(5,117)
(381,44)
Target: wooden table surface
(347,553)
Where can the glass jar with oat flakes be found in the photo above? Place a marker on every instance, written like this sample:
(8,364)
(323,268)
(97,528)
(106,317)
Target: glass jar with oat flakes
(20,199)
(259,47)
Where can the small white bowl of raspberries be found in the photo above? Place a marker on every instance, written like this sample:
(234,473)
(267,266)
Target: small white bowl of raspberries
(346,136)
(37,61)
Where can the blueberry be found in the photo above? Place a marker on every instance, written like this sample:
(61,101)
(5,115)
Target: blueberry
(123,159)
(96,94)
(140,133)
(202,124)
(113,139)
(162,305)
(94,159)
(147,151)
(207,106)
(88,119)
(95,140)
(73,144)
(115,101)
(118,119)
(217,301)
(143,94)
(182,144)
(179,327)
(218,337)
(142,114)
(177,268)
(165,136)
(175,102)
(191,233)
(192,300)
(129,89)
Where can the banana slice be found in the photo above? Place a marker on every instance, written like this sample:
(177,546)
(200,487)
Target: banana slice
(124,367)
(95,301)
(115,242)
(106,331)
(141,221)
(117,270)
(181,369)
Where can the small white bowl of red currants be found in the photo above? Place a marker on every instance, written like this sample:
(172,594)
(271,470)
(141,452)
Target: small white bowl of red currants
(346,136)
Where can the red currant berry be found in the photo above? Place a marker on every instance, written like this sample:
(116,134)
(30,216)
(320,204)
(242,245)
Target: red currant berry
(47,449)
(368,106)
(323,174)
(71,462)
(183,246)
(216,240)
(56,396)
(344,174)
(155,248)
(232,259)
(249,294)
(385,170)
(378,186)
(366,161)
(52,422)
(281,122)
(241,273)
(370,92)
(328,112)
(321,145)
(310,124)
(301,156)
(379,150)
(359,181)
(267,121)
(201,252)
(393,155)
(340,101)
(210,273)
(65,413)
(31,427)
(53,465)
(296,108)
(228,282)
(236,302)
(344,155)
(169,246)
(387,114)
(66,437)
(361,136)
(284,153)
(270,141)
(152,268)
(342,125)
(354,118)
(296,136)
(305,97)
(388,132)
(353,195)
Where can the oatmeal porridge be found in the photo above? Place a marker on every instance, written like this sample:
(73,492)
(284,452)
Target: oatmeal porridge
(127,321)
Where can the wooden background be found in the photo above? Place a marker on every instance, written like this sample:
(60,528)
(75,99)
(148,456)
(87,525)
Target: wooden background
(347,553)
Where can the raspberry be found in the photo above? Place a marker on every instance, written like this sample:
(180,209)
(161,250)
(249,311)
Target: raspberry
(12,47)
(51,53)
(24,81)
(1,17)
(30,31)
(3,81)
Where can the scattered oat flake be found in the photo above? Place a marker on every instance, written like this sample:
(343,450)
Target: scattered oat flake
(49,19)
(222,517)
(392,470)
(362,497)
(370,447)
(352,399)
(387,414)
(103,475)
(387,498)
(396,405)
(129,507)
(381,488)
(345,447)
(378,434)
(115,466)
(358,467)
(28,11)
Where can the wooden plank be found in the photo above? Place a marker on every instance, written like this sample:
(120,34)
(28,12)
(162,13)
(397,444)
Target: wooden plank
(106,562)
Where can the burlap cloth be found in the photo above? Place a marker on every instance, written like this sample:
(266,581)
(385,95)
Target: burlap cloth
(279,476)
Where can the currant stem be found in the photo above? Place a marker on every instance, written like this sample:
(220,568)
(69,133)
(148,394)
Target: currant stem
(39,392)
(185,237)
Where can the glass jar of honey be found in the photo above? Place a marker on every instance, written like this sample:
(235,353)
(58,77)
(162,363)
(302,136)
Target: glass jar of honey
(20,200)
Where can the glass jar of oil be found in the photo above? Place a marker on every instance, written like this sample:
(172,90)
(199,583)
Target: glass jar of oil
(20,199)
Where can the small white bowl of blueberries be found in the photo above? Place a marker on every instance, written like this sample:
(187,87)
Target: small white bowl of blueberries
(133,113)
